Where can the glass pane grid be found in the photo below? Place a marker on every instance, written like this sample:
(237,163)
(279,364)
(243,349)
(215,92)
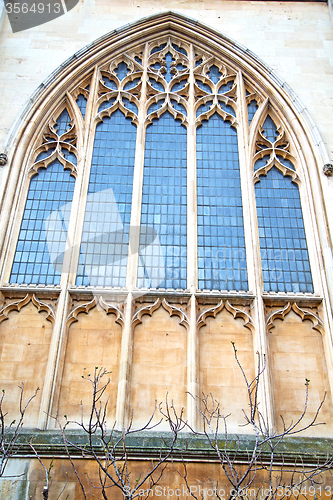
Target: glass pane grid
(63,123)
(81,101)
(284,254)
(221,242)
(269,129)
(42,239)
(104,244)
(252,109)
(162,252)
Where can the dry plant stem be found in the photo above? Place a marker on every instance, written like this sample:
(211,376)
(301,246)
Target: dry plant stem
(9,433)
(108,449)
(280,479)
(47,475)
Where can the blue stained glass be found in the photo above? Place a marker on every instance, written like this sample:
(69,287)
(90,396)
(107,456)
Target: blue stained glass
(157,85)
(203,108)
(109,83)
(179,86)
(121,71)
(221,242)
(226,87)
(42,239)
(252,109)
(203,86)
(214,73)
(104,244)
(261,162)
(286,162)
(155,106)
(168,59)
(81,101)
(132,84)
(45,154)
(106,104)
(69,156)
(179,49)
(162,253)
(63,123)
(178,106)
(284,255)
(269,129)
(157,49)
(156,66)
(130,105)
(227,108)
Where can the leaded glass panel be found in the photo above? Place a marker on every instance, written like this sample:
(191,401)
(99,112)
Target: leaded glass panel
(284,254)
(162,252)
(104,244)
(42,239)
(221,243)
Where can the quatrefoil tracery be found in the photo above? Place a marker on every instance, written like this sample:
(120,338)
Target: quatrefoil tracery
(273,151)
(215,91)
(57,146)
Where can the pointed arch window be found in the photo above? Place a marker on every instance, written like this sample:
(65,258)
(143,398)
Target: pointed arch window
(155,138)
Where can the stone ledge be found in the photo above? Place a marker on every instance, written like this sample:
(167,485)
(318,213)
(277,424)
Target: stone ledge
(148,445)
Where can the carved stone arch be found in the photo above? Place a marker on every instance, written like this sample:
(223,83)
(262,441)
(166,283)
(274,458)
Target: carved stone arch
(51,141)
(17,305)
(117,104)
(278,153)
(81,308)
(172,309)
(153,30)
(235,311)
(304,314)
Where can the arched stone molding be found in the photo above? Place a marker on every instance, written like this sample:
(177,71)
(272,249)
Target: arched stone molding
(17,305)
(304,314)
(298,355)
(234,310)
(85,307)
(172,309)
(159,358)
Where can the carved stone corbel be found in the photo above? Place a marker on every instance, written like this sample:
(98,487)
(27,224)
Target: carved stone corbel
(3,159)
(137,316)
(118,310)
(85,308)
(211,312)
(177,311)
(328,169)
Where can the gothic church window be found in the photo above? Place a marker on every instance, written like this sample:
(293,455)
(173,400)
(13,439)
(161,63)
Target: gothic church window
(154,139)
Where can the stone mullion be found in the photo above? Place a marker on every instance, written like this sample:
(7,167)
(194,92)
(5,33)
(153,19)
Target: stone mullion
(260,341)
(192,338)
(134,232)
(124,377)
(54,365)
